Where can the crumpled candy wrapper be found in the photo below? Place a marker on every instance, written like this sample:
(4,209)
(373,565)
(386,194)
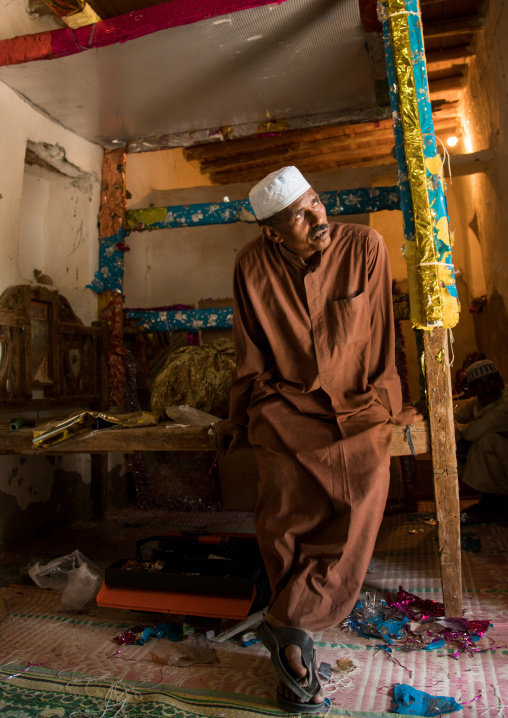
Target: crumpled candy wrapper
(142,634)
(86,422)
(410,701)
(414,607)
(390,620)
(375,619)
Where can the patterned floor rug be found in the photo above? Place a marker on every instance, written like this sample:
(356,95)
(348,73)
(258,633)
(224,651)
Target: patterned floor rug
(43,694)
(57,665)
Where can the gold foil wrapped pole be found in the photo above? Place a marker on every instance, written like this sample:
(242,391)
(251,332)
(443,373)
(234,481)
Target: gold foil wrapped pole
(427,248)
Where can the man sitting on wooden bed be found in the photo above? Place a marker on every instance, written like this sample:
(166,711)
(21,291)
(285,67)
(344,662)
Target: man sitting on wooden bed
(481,426)
(316,388)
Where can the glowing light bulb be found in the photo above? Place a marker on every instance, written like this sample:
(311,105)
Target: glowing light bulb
(452,141)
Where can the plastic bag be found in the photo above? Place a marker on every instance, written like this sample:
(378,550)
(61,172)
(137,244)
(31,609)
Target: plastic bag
(185,414)
(74,576)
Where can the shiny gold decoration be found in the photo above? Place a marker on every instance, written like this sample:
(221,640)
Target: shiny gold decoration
(273,126)
(135,218)
(427,298)
(87,16)
(85,422)
(227,131)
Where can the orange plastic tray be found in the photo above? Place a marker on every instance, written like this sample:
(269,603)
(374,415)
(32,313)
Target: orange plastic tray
(137,599)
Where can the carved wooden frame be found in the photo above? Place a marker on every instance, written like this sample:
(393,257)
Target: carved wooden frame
(76,361)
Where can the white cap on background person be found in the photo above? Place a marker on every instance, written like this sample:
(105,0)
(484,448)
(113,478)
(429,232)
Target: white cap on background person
(479,369)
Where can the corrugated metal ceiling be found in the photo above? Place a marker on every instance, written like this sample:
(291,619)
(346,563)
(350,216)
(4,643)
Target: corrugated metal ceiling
(299,58)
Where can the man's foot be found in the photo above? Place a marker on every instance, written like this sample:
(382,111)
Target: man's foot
(293,655)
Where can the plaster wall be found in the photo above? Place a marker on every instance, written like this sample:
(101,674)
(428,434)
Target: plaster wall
(485,108)
(49,222)
(19,19)
(185,265)
(48,218)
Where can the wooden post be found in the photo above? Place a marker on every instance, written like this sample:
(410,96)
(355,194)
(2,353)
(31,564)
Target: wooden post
(428,251)
(444,463)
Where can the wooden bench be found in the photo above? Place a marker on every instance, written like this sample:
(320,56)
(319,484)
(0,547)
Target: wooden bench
(157,438)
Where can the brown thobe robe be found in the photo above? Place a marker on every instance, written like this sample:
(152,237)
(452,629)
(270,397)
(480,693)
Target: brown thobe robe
(316,383)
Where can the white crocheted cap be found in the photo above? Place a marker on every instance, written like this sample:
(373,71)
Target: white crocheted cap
(479,369)
(277,191)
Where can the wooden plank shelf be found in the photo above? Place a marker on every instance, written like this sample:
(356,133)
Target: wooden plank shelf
(162,438)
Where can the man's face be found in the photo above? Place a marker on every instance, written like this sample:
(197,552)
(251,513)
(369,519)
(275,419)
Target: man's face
(487,388)
(302,226)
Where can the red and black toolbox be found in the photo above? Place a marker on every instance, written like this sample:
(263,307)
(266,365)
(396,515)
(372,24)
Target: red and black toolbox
(191,573)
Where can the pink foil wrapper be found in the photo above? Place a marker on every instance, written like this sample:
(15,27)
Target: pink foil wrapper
(414,607)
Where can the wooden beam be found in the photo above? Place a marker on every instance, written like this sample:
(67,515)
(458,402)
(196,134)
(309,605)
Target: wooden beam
(348,201)
(164,438)
(298,150)
(470,164)
(436,59)
(345,148)
(255,145)
(318,163)
(226,155)
(444,466)
(447,88)
(461,164)
(445,109)
(454,26)
(313,161)
(447,84)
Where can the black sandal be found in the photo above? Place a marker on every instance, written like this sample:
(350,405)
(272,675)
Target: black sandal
(276,640)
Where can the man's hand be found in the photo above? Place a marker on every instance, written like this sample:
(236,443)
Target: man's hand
(408,415)
(228,436)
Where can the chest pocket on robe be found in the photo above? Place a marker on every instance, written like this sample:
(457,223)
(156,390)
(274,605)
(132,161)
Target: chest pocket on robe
(349,319)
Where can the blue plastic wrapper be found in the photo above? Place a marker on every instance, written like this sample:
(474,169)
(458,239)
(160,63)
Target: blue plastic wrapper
(161,630)
(379,622)
(410,701)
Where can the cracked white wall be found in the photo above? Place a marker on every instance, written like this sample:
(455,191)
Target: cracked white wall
(49,222)
(46,217)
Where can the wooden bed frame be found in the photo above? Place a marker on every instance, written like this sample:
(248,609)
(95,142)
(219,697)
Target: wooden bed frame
(50,360)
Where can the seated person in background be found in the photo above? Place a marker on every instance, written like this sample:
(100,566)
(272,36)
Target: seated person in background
(482,435)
